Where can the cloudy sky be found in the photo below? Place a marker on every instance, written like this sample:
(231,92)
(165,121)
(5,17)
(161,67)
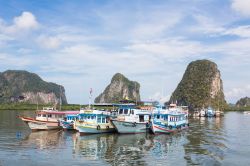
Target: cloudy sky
(82,44)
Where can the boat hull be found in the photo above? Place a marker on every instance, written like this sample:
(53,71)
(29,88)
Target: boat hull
(93,130)
(36,125)
(129,127)
(67,125)
(156,128)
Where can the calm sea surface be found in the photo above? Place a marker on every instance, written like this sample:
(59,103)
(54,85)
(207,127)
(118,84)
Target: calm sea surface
(213,141)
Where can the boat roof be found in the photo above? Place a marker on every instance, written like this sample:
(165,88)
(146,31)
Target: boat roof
(58,112)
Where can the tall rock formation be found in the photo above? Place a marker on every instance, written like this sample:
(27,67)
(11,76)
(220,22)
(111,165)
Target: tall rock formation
(243,102)
(23,86)
(120,88)
(201,86)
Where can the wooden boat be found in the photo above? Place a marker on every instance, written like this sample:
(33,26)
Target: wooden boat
(46,119)
(131,120)
(168,121)
(68,122)
(210,112)
(92,121)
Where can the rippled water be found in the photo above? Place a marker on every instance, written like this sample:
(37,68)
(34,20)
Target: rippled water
(213,141)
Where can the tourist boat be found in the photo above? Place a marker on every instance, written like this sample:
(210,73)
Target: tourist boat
(92,121)
(202,113)
(46,119)
(246,112)
(210,112)
(68,122)
(131,119)
(168,121)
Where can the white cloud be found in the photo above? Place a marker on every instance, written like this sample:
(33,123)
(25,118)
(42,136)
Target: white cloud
(25,22)
(159,97)
(48,42)
(241,6)
(206,25)
(171,48)
(12,62)
(155,24)
(241,31)
(238,92)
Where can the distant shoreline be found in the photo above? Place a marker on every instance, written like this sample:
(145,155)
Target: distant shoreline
(34,107)
(25,106)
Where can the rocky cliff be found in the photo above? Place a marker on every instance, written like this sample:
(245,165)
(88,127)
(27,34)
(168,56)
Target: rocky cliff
(243,102)
(23,86)
(201,86)
(120,88)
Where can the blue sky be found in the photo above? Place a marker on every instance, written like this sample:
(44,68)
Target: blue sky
(82,44)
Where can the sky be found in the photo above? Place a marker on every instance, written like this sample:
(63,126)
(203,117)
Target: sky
(82,44)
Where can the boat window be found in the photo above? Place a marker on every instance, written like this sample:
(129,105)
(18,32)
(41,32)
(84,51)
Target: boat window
(132,112)
(125,111)
(88,117)
(99,120)
(38,115)
(92,117)
(103,120)
(49,115)
(120,111)
(158,116)
(141,118)
(44,115)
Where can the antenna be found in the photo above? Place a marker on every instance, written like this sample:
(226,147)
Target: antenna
(60,100)
(37,101)
(90,96)
(135,94)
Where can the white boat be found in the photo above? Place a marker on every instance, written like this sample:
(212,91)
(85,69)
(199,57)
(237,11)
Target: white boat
(68,122)
(246,112)
(210,112)
(92,121)
(46,119)
(132,120)
(202,113)
(166,121)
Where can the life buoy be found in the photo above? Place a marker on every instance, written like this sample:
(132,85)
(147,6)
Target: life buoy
(170,127)
(107,127)
(98,127)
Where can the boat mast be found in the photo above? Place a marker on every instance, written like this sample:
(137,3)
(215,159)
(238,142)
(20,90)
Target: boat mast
(135,95)
(60,99)
(90,96)
(37,101)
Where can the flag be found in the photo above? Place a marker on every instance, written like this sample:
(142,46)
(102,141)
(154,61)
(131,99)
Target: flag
(90,91)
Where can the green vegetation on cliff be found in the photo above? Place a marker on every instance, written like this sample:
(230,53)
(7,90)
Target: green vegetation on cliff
(120,88)
(243,102)
(201,86)
(13,83)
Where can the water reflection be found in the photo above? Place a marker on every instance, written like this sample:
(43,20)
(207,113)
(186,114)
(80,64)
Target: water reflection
(44,139)
(207,139)
(138,149)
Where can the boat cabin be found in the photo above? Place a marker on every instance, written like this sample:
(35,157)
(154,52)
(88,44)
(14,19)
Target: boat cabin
(94,117)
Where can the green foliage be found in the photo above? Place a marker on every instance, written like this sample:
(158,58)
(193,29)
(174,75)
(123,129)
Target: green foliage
(25,106)
(115,95)
(195,86)
(243,102)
